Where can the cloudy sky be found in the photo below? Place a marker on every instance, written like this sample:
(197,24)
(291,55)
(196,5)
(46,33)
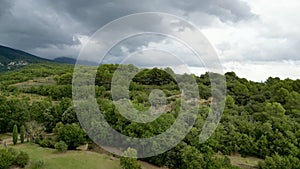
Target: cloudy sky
(254,38)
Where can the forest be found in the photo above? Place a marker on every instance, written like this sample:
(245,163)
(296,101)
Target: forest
(260,119)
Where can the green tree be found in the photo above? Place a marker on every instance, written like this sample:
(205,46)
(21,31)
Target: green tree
(280,162)
(22,134)
(129,163)
(15,134)
(72,135)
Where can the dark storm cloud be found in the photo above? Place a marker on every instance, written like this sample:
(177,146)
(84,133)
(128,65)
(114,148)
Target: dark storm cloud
(32,24)
(95,13)
(29,25)
(4,7)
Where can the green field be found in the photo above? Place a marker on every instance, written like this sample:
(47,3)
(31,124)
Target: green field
(71,159)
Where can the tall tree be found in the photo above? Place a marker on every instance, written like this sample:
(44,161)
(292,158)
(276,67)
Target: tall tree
(22,134)
(15,134)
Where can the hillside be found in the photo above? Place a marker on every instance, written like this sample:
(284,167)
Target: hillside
(259,128)
(11,59)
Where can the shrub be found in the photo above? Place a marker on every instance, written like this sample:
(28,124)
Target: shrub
(9,157)
(129,163)
(22,159)
(72,135)
(6,159)
(61,146)
(37,164)
(48,143)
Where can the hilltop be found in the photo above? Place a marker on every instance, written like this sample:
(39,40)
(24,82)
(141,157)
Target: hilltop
(11,59)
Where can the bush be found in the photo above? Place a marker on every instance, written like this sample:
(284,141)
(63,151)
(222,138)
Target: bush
(37,164)
(6,159)
(72,135)
(22,159)
(129,163)
(48,143)
(61,146)
(9,157)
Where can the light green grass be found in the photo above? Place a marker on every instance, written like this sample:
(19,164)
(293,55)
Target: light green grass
(72,159)
(69,159)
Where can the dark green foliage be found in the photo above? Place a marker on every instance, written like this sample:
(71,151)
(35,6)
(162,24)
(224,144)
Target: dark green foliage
(72,135)
(260,119)
(22,159)
(65,79)
(61,146)
(12,112)
(6,158)
(9,157)
(280,162)
(153,77)
(22,134)
(15,134)
(48,142)
(129,163)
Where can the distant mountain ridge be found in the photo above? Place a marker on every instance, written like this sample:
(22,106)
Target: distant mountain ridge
(12,58)
(70,60)
(65,59)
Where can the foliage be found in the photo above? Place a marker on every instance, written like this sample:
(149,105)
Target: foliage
(72,135)
(22,159)
(129,162)
(22,134)
(37,164)
(48,142)
(260,118)
(9,157)
(6,159)
(15,134)
(280,162)
(61,146)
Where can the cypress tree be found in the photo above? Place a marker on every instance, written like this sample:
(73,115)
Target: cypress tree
(22,134)
(15,134)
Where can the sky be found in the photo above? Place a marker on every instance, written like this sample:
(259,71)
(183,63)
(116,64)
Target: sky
(254,38)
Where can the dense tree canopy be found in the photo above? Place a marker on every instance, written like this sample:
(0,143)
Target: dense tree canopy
(260,119)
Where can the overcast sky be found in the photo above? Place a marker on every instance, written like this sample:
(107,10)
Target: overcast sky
(254,38)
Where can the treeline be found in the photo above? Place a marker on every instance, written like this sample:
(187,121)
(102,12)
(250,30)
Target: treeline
(260,119)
